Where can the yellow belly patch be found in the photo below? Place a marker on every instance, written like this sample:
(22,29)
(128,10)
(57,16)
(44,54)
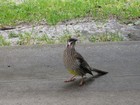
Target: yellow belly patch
(73,72)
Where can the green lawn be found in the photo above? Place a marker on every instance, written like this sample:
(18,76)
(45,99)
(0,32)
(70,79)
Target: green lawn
(54,11)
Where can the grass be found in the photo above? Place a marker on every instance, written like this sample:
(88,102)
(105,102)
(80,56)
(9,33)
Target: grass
(54,11)
(105,37)
(30,39)
(33,39)
(44,39)
(63,39)
(13,35)
(26,39)
(3,42)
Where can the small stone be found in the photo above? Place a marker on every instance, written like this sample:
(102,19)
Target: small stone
(137,22)
(130,24)
(9,66)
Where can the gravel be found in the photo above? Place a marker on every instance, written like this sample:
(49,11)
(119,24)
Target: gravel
(84,27)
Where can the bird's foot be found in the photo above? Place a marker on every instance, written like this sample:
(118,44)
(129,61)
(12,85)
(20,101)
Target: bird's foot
(82,82)
(70,80)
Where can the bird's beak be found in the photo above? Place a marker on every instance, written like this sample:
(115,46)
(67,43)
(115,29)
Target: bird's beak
(76,40)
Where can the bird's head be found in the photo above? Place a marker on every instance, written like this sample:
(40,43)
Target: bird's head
(71,42)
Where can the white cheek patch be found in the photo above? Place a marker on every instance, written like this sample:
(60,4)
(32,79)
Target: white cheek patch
(69,43)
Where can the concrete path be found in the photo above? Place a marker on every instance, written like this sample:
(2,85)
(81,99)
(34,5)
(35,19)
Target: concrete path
(34,75)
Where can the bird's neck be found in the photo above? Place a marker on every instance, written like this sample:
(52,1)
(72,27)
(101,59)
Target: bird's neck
(70,47)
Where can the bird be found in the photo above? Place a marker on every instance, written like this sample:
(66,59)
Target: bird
(75,63)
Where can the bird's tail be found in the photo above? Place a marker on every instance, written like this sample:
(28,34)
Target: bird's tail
(100,72)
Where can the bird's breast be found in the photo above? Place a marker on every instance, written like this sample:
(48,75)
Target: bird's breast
(68,59)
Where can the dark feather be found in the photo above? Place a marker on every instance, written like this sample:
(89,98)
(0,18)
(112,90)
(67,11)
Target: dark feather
(83,64)
(100,72)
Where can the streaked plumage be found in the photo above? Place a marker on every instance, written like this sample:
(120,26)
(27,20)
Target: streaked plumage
(75,63)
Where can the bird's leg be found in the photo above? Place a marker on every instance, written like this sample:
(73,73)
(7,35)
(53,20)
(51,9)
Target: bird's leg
(71,79)
(82,81)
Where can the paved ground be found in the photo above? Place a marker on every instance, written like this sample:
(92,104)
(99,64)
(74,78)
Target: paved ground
(35,75)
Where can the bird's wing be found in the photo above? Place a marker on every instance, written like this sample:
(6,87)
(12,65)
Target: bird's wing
(82,63)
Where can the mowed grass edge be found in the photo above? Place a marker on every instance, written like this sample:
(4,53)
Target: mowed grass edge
(54,11)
